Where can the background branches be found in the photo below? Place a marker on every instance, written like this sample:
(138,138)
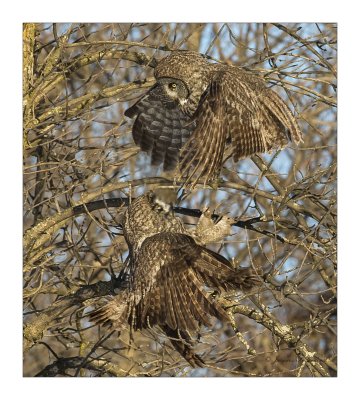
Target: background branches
(81,166)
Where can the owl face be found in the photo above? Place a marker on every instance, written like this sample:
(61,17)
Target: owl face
(171,89)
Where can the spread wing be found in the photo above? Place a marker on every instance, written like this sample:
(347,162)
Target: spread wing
(178,298)
(160,129)
(168,289)
(236,106)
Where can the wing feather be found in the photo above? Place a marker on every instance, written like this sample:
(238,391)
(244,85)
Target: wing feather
(236,106)
(168,286)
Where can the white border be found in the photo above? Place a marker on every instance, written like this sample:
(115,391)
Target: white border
(11,199)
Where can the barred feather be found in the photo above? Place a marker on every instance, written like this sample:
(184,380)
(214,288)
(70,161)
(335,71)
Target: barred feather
(168,275)
(223,102)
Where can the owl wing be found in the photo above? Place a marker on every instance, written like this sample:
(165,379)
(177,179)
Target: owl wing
(170,272)
(160,129)
(178,298)
(237,106)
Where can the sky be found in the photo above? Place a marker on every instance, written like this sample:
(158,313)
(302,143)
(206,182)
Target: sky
(17,12)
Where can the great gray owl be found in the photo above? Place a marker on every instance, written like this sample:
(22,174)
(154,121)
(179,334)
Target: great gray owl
(196,109)
(167,274)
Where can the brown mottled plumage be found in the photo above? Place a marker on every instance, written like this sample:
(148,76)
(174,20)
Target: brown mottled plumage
(196,108)
(168,272)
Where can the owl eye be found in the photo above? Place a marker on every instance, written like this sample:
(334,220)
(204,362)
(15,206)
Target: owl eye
(172,86)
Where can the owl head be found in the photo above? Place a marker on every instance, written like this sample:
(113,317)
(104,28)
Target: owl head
(184,75)
(171,89)
(188,67)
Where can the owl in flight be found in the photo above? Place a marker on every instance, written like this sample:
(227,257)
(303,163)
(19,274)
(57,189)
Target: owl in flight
(170,276)
(196,110)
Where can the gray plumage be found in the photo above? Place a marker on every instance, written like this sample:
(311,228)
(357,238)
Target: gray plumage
(196,109)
